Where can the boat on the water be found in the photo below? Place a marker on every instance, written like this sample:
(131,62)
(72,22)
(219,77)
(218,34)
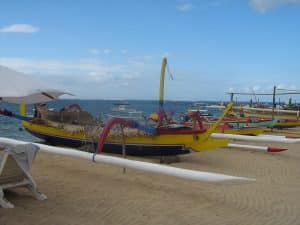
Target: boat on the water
(123,110)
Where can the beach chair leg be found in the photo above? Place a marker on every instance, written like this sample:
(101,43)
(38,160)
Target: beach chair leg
(38,195)
(3,202)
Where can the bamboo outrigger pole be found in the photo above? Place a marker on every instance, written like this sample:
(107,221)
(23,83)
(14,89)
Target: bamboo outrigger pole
(139,165)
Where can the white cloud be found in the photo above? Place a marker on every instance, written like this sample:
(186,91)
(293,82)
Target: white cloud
(231,89)
(265,5)
(124,51)
(19,28)
(87,78)
(166,54)
(256,88)
(91,69)
(107,51)
(94,51)
(184,7)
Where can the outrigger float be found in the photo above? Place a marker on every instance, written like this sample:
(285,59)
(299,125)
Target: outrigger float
(162,139)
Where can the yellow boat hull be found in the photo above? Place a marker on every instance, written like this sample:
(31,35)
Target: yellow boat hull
(247,131)
(181,143)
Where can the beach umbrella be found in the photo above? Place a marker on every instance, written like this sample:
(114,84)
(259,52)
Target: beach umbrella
(16,87)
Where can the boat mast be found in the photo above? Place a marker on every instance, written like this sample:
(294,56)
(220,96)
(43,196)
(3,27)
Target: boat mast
(162,82)
(273,106)
(22,109)
(231,97)
(161,113)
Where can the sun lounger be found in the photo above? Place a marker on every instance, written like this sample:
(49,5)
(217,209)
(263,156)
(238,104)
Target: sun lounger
(15,163)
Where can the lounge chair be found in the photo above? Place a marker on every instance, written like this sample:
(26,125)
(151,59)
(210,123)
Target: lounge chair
(15,163)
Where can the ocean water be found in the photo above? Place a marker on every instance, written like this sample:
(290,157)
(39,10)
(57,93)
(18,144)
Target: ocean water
(12,128)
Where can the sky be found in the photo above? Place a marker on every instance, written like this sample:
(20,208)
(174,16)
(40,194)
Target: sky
(113,49)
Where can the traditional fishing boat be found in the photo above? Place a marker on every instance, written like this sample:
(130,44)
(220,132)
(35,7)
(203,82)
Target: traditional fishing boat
(280,121)
(252,122)
(285,118)
(228,128)
(262,117)
(75,127)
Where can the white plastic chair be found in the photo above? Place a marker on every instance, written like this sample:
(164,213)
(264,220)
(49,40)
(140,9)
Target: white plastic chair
(14,171)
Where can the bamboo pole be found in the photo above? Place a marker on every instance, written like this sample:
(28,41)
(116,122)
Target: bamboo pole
(144,166)
(254,138)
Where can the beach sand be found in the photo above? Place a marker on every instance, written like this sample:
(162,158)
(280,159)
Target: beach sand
(82,193)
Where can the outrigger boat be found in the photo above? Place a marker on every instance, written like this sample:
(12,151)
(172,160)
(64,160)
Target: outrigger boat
(241,120)
(162,139)
(284,118)
(281,121)
(225,127)
(228,128)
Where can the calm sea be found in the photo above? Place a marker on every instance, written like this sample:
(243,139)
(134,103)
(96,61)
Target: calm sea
(10,127)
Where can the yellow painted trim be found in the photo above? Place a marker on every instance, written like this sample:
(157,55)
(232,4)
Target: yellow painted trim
(212,129)
(252,131)
(288,123)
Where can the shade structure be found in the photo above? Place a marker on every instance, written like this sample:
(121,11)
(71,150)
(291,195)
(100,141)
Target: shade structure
(16,87)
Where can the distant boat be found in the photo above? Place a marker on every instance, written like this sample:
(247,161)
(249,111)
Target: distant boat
(285,118)
(122,107)
(122,110)
(227,128)
(199,107)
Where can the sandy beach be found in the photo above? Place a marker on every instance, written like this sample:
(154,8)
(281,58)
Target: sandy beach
(80,192)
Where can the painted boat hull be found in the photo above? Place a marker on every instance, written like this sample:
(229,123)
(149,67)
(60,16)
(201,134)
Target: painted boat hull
(225,129)
(269,123)
(115,148)
(286,123)
(253,131)
(158,145)
(283,121)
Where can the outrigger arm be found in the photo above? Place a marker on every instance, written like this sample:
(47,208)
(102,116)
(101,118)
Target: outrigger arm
(133,164)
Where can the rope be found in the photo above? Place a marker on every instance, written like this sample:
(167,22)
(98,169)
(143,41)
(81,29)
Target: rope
(170,74)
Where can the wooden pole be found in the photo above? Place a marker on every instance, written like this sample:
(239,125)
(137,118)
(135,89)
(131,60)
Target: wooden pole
(273,106)
(123,146)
